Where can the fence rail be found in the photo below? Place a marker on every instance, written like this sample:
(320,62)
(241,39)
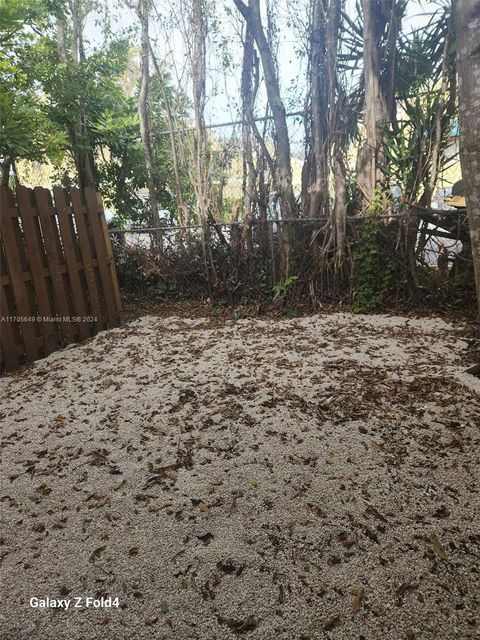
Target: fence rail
(58,278)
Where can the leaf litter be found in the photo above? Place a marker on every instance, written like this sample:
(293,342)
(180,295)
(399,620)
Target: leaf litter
(266,479)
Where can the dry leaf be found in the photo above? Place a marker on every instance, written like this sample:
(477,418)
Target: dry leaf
(96,552)
(405,586)
(159,471)
(357,602)
(169,471)
(133,551)
(240,626)
(439,550)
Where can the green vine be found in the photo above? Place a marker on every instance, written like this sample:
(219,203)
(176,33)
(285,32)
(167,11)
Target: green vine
(374,269)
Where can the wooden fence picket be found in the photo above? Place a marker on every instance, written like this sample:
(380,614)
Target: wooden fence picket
(110,259)
(55,259)
(57,268)
(72,263)
(13,249)
(79,212)
(7,334)
(38,266)
(101,253)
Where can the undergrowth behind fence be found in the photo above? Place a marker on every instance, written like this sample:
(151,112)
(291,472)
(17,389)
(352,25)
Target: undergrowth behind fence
(242,263)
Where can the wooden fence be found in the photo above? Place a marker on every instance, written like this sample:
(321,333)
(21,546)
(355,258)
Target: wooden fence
(58,278)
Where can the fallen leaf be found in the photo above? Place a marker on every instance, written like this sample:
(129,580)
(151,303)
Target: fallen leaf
(357,601)
(240,626)
(405,586)
(133,551)
(374,512)
(167,470)
(96,552)
(439,550)
(161,473)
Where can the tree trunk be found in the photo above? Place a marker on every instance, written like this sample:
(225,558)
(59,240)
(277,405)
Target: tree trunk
(328,135)
(340,210)
(77,130)
(337,137)
(198,27)
(248,98)
(143,16)
(318,188)
(467,23)
(197,52)
(182,207)
(283,168)
(83,152)
(369,174)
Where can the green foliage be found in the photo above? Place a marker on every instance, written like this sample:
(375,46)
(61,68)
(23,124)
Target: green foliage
(25,129)
(425,92)
(373,268)
(44,96)
(282,287)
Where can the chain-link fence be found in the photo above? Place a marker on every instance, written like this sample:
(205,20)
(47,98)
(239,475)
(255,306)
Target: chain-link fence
(426,253)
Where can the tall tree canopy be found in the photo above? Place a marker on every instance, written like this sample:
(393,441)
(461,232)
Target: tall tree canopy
(64,101)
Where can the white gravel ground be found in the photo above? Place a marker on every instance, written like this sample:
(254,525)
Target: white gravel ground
(286,480)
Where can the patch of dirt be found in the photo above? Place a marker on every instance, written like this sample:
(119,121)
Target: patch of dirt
(258,478)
